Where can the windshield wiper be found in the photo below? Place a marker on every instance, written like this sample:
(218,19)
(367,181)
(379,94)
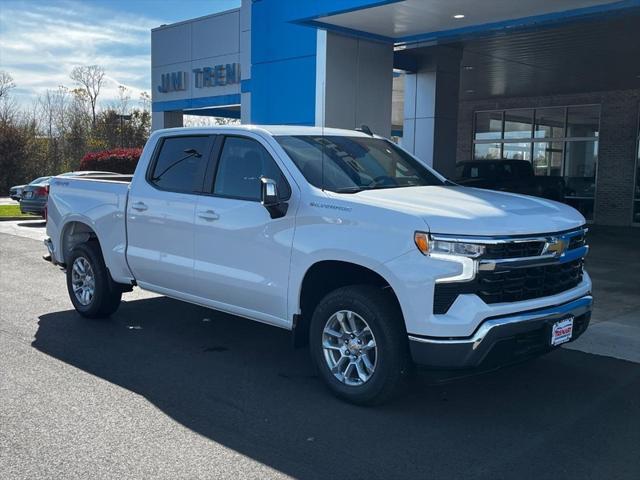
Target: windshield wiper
(191,152)
(349,189)
(355,189)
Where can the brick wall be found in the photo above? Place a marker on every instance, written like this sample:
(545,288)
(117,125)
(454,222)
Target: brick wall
(616,149)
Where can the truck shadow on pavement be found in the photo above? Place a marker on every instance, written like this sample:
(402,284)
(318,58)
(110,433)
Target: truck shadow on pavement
(242,385)
(33,224)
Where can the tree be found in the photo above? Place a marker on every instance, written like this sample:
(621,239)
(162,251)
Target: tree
(90,79)
(54,110)
(21,154)
(124,97)
(63,125)
(6,83)
(145,101)
(112,131)
(8,107)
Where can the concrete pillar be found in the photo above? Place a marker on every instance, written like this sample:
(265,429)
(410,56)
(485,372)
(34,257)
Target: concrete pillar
(431,109)
(166,120)
(354,82)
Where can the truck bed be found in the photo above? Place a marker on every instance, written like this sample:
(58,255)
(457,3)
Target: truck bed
(97,201)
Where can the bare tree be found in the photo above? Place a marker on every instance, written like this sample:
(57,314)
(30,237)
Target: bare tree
(8,106)
(89,78)
(81,105)
(6,83)
(124,97)
(145,101)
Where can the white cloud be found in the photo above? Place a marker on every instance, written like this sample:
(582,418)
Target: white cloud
(40,44)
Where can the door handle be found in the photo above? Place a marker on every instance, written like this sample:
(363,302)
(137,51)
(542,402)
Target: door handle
(208,215)
(139,206)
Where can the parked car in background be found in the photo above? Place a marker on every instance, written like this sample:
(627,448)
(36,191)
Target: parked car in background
(35,195)
(515,176)
(369,256)
(15,192)
(32,193)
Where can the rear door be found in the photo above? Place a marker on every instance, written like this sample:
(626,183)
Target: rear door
(161,210)
(242,255)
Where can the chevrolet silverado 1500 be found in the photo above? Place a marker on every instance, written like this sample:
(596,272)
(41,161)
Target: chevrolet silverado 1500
(365,253)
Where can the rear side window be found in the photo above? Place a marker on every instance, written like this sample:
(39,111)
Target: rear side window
(505,171)
(242,162)
(180,163)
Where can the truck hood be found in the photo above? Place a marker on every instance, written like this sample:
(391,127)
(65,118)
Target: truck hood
(472,211)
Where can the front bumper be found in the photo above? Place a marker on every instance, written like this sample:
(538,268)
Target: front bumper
(501,339)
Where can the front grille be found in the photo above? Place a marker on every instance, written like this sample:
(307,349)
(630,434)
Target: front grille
(577,242)
(526,283)
(514,249)
(511,285)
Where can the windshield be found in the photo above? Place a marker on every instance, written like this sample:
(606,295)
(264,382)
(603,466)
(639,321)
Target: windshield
(353,164)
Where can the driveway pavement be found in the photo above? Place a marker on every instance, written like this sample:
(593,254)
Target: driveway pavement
(7,201)
(614,265)
(33,229)
(171,390)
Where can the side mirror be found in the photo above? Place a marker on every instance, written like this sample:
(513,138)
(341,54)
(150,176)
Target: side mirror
(268,192)
(270,200)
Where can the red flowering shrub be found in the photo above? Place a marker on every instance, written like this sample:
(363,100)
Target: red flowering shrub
(119,160)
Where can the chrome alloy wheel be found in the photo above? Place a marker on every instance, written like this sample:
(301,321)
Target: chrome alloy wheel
(83,280)
(349,348)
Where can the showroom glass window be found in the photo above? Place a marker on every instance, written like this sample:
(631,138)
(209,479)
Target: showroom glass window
(558,141)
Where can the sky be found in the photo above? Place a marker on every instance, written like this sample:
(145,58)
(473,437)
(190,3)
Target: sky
(42,40)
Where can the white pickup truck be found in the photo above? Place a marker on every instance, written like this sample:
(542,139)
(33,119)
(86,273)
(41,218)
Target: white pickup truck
(366,254)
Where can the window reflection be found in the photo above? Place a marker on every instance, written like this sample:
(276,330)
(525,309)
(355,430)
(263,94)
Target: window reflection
(550,122)
(518,123)
(517,151)
(558,141)
(488,125)
(583,121)
(547,158)
(580,175)
(486,151)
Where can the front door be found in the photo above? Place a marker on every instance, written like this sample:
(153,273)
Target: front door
(161,211)
(242,255)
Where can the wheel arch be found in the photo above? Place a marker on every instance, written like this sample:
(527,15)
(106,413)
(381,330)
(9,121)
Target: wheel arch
(73,233)
(325,276)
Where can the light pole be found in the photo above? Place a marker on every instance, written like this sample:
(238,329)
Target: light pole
(122,119)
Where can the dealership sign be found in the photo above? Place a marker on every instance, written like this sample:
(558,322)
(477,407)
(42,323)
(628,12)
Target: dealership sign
(218,75)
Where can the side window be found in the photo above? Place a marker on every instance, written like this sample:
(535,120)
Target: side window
(180,164)
(242,162)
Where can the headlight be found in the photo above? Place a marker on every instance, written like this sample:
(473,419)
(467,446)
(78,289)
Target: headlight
(428,245)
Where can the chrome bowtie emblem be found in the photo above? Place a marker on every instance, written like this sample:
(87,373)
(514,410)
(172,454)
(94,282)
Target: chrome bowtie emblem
(555,246)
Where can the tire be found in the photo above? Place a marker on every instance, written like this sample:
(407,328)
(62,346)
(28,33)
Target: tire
(373,307)
(106,295)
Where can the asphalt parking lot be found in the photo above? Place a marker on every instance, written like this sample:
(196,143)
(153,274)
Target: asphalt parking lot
(170,390)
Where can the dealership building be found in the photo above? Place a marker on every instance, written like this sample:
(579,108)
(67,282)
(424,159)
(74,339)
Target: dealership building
(553,82)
